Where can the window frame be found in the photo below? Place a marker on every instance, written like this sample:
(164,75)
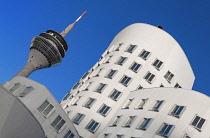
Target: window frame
(113,94)
(156,65)
(121,60)
(42,111)
(89,124)
(165,127)
(54,127)
(132,68)
(111,73)
(128,103)
(131,48)
(142,103)
(76,100)
(26,91)
(168,77)
(103,110)
(176,109)
(79,117)
(100,88)
(151,76)
(116,121)
(69,134)
(127,80)
(198,122)
(129,121)
(143,56)
(90,101)
(144,123)
(158,105)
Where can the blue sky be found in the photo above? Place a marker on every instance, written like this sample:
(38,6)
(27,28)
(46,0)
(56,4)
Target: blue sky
(188,21)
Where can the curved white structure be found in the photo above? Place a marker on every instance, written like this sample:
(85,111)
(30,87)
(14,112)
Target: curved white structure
(140,55)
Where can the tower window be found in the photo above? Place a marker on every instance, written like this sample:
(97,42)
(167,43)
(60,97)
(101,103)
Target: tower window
(85,75)
(149,77)
(26,91)
(129,121)
(98,72)
(45,108)
(145,123)
(111,73)
(115,95)
(92,126)
(87,86)
(15,87)
(169,76)
(177,111)
(128,103)
(157,64)
(104,110)
(108,59)
(78,118)
(69,134)
(125,80)
(131,48)
(165,130)
(141,104)
(135,67)
(198,122)
(158,105)
(66,96)
(144,54)
(100,87)
(58,123)
(76,85)
(90,102)
(116,121)
(118,47)
(121,60)
(76,100)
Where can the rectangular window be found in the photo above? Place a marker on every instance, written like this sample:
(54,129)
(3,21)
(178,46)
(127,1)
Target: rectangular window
(111,74)
(76,100)
(165,130)
(125,80)
(121,60)
(169,76)
(158,105)
(87,86)
(131,48)
(118,47)
(58,123)
(145,123)
(116,121)
(26,91)
(135,67)
(128,103)
(98,72)
(177,111)
(129,121)
(85,75)
(115,95)
(45,108)
(76,85)
(78,118)
(66,96)
(177,86)
(69,134)
(90,102)
(100,87)
(107,60)
(144,54)
(157,64)
(92,126)
(104,110)
(149,77)
(15,87)
(198,122)
(141,104)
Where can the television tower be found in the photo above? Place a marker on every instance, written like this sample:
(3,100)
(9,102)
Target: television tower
(47,50)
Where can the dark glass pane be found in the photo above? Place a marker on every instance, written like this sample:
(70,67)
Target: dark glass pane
(195,121)
(155,63)
(200,124)
(55,122)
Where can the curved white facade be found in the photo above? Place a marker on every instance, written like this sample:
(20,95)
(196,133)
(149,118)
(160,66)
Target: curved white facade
(140,55)
(193,104)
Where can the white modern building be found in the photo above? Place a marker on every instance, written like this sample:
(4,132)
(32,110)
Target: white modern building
(139,88)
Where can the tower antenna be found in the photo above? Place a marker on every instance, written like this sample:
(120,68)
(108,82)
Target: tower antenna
(70,27)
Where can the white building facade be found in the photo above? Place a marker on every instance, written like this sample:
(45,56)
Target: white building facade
(140,56)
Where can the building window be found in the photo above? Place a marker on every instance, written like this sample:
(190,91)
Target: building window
(145,123)
(115,95)
(149,77)
(90,102)
(186,136)
(120,136)
(139,87)
(76,85)
(69,134)
(98,72)
(87,86)
(108,59)
(165,130)
(198,122)
(177,86)
(141,104)
(125,80)
(92,126)
(104,110)
(66,96)
(158,64)
(131,48)
(111,73)
(135,67)
(45,108)
(116,121)
(15,87)
(26,91)
(118,47)
(58,123)
(177,111)
(129,121)
(101,87)
(78,118)
(121,60)
(128,103)
(158,105)
(145,54)
(169,76)
(76,100)
(85,75)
